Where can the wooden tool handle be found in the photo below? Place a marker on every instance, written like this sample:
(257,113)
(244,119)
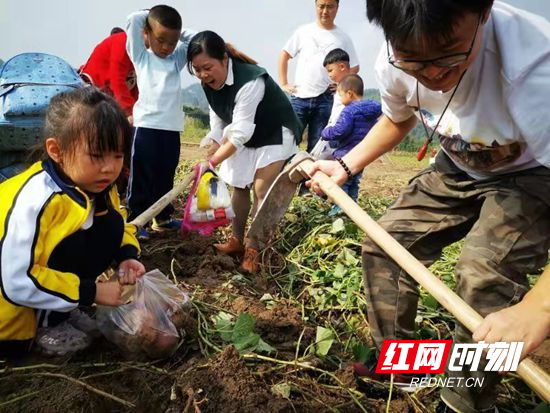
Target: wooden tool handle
(529,371)
(158,206)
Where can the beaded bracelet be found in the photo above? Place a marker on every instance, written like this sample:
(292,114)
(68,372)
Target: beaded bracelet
(343,164)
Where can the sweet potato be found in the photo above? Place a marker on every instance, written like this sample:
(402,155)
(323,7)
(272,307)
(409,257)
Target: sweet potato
(164,346)
(177,317)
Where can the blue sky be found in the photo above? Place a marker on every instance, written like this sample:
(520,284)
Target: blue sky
(71,28)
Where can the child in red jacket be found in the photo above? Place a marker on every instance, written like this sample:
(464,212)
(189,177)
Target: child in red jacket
(110,69)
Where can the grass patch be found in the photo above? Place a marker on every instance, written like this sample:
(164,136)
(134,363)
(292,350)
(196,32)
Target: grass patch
(408,160)
(193,130)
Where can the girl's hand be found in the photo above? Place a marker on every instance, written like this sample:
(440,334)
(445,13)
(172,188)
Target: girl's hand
(108,293)
(331,168)
(129,271)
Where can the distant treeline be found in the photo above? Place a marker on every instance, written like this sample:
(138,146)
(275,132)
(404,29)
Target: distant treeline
(197,113)
(416,137)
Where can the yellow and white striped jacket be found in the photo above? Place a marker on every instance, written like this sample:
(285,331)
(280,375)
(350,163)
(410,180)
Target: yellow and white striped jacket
(37,211)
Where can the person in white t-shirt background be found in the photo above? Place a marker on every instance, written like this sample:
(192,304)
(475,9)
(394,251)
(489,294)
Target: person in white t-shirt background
(311,95)
(477,75)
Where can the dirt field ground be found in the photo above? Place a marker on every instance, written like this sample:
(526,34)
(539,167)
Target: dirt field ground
(207,373)
(384,178)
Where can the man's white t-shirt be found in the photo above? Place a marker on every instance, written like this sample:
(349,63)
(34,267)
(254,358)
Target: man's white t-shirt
(498,120)
(311,43)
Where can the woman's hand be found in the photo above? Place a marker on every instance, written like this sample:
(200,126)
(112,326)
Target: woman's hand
(129,271)
(524,321)
(331,168)
(205,166)
(108,293)
(211,150)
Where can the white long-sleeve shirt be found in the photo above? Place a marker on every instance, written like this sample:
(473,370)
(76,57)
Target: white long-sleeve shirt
(240,168)
(247,100)
(160,102)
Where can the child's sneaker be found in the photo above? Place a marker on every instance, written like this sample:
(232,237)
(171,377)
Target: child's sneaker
(163,225)
(143,234)
(83,322)
(61,340)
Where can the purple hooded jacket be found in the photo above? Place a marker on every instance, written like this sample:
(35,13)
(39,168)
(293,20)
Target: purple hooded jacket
(353,124)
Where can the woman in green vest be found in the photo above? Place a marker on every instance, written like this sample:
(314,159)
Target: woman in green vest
(253,129)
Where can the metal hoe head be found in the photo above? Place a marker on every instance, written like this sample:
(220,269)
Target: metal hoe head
(272,209)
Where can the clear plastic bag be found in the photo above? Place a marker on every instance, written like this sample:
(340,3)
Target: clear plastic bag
(208,205)
(322,150)
(149,323)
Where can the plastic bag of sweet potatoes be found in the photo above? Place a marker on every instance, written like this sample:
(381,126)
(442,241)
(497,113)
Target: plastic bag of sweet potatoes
(151,320)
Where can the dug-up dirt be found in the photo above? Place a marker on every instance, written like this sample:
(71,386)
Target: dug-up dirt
(207,374)
(102,379)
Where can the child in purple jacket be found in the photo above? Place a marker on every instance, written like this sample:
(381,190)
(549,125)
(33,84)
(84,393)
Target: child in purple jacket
(351,127)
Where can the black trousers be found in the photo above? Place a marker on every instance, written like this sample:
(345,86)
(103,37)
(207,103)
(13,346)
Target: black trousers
(155,156)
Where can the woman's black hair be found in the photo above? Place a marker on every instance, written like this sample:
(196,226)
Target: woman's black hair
(214,46)
(89,116)
(430,20)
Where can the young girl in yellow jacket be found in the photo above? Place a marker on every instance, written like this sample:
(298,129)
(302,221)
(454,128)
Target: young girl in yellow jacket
(61,226)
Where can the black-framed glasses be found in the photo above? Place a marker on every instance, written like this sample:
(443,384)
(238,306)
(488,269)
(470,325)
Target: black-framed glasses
(447,61)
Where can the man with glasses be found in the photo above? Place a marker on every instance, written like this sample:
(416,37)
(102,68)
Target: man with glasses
(477,75)
(311,95)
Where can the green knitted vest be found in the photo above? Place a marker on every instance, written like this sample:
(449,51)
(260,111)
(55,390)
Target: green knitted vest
(274,111)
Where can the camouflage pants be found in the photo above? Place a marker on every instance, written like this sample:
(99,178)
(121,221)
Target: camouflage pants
(505,222)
